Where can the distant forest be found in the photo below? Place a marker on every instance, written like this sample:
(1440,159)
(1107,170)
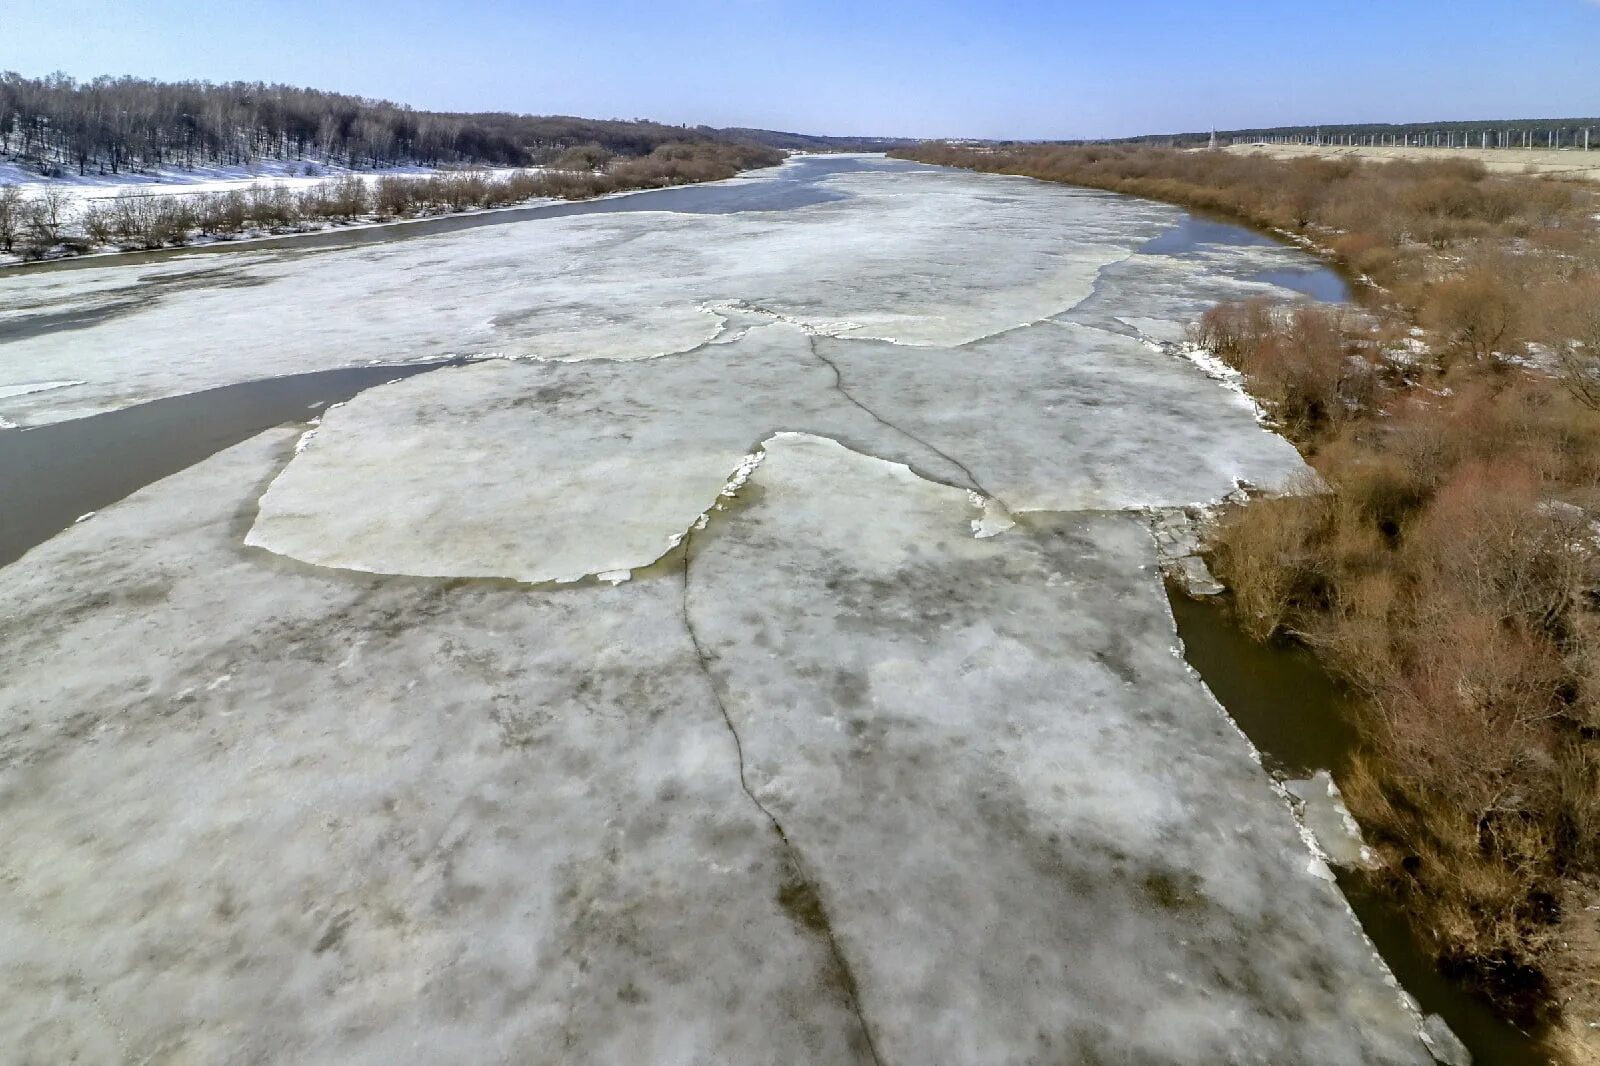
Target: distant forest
(114,125)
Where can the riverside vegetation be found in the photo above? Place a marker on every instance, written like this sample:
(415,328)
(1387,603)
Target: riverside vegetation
(1444,558)
(36,227)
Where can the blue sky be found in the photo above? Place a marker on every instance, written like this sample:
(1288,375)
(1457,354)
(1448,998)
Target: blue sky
(933,68)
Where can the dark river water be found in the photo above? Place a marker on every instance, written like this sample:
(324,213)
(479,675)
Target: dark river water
(53,474)
(1301,720)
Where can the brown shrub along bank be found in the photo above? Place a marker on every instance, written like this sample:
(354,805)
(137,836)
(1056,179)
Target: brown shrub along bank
(1445,557)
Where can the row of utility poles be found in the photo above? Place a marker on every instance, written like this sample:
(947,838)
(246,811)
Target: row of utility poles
(1552,138)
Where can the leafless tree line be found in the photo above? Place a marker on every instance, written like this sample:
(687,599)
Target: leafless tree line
(114,125)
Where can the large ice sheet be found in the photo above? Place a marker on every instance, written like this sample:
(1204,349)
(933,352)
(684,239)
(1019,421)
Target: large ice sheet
(259,810)
(845,782)
(258,813)
(1062,417)
(553,471)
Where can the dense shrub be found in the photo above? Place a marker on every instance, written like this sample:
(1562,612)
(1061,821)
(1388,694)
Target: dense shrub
(1445,566)
(1314,366)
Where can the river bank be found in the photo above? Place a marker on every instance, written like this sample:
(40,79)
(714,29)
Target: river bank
(1566,163)
(64,219)
(1404,425)
(739,610)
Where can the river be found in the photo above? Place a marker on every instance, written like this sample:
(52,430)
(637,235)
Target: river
(743,641)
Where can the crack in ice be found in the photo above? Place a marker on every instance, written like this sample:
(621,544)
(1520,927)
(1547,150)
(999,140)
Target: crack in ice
(996,516)
(847,975)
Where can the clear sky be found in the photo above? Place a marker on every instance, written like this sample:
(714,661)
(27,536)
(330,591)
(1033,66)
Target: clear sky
(1031,68)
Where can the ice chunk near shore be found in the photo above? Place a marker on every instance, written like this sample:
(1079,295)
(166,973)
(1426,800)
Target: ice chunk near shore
(1323,813)
(1446,1048)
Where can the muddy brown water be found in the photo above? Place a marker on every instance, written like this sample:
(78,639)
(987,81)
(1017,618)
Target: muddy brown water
(1301,719)
(52,474)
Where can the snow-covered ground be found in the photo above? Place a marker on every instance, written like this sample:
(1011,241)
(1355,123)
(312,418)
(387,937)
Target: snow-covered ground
(78,192)
(313,751)
(292,174)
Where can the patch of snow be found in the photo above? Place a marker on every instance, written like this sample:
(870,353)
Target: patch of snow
(993,518)
(1321,809)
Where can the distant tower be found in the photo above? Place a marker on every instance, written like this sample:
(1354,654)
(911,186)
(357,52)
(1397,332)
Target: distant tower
(1213,137)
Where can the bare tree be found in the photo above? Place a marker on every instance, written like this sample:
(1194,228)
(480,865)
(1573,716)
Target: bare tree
(11,214)
(1578,356)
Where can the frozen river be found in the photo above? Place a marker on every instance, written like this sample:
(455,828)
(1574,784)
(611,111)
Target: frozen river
(753,652)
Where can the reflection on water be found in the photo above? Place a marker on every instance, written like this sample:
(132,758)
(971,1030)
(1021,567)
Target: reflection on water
(1320,284)
(1197,233)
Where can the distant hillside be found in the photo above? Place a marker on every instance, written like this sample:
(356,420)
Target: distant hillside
(116,125)
(807,142)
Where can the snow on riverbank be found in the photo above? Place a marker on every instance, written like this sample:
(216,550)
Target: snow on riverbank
(275,173)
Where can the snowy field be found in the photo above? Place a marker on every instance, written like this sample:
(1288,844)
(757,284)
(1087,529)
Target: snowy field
(291,174)
(1555,162)
(758,655)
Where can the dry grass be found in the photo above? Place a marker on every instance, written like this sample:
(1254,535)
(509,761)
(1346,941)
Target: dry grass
(1447,574)
(1314,366)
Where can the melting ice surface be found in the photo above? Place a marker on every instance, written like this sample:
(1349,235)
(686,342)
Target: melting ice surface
(893,763)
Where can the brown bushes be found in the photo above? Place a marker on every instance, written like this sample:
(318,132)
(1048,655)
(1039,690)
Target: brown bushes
(1441,570)
(1389,220)
(1312,365)
(1476,313)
